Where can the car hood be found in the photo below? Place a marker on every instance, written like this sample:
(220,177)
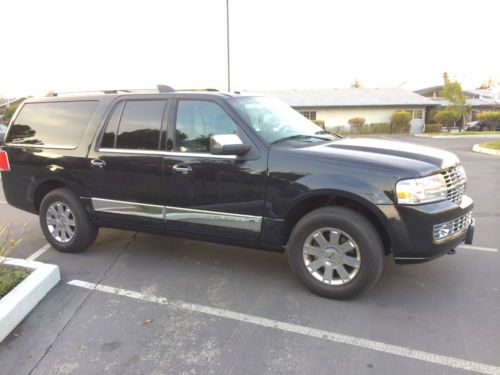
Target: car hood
(421,159)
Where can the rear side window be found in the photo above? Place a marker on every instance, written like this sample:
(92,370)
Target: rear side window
(135,125)
(52,124)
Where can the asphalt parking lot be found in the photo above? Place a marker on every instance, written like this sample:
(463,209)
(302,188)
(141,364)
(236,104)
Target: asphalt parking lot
(137,303)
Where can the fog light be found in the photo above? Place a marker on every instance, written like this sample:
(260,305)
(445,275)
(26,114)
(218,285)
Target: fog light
(442,231)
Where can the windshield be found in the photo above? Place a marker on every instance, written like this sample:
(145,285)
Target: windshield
(275,121)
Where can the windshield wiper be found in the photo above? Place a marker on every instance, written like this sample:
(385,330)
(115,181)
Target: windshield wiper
(300,136)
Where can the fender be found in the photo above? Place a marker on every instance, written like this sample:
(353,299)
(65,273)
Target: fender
(59,174)
(373,199)
(330,184)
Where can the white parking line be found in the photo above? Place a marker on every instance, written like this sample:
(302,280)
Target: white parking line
(470,247)
(39,252)
(301,330)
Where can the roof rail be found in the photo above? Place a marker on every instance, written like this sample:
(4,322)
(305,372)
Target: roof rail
(208,89)
(160,88)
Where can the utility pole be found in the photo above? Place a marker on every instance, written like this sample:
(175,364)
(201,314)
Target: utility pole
(228,51)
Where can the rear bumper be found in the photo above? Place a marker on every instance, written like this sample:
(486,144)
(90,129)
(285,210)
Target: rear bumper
(413,229)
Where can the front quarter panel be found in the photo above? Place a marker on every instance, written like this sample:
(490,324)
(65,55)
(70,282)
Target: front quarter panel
(291,181)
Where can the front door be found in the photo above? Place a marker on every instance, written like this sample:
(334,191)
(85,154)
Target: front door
(125,174)
(219,196)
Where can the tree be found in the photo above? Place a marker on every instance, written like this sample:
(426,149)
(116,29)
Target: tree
(356,84)
(400,122)
(452,90)
(491,119)
(447,117)
(488,84)
(356,123)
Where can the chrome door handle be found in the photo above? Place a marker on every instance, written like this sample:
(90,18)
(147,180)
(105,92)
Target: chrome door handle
(183,170)
(97,163)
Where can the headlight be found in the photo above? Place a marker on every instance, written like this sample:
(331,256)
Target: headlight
(421,190)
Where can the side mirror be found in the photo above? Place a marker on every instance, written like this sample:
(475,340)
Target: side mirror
(227,144)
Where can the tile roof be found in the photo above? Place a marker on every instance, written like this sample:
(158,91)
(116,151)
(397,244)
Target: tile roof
(351,97)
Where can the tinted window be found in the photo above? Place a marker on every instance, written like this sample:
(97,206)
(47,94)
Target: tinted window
(56,123)
(108,138)
(196,121)
(140,125)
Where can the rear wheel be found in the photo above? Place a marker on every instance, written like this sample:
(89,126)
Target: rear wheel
(65,222)
(336,252)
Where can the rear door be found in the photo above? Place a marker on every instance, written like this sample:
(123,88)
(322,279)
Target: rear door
(125,171)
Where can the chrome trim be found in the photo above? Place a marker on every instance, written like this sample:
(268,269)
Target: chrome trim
(164,153)
(219,219)
(456,181)
(128,208)
(458,227)
(187,215)
(29,145)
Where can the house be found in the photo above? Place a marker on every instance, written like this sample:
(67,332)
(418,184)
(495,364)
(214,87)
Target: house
(479,100)
(336,106)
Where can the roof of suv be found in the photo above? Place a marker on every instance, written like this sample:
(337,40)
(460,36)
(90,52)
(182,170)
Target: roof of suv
(107,94)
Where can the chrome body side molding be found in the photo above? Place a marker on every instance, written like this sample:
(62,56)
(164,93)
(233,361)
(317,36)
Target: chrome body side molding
(187,215)
(128,208)
(220,219)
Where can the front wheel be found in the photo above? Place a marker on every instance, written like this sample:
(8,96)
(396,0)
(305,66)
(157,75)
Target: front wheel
(65,222)
(336,252)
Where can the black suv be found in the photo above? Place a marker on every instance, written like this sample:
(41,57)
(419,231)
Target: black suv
(238,169)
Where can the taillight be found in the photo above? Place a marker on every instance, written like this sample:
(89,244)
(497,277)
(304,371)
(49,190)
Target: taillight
(4,162)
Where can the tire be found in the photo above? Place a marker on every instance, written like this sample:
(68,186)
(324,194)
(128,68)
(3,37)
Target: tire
(60,209)
(347,236)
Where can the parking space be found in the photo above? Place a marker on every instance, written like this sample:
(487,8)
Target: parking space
(192,307)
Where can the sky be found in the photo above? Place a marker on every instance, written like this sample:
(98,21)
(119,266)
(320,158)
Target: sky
(274,44)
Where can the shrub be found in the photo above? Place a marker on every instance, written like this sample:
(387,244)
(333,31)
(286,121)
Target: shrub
(491,119)
(447,117)
(400,121)
(379,128)
(9,112)
(433,128)
(340,129)
(356,123)
(6,244)
(432,114)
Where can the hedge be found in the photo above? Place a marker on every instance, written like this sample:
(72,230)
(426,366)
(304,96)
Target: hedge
(492,119)
(433,128)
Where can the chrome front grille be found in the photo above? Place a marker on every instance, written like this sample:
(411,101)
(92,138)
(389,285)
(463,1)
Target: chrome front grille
(455,182)
(445,230)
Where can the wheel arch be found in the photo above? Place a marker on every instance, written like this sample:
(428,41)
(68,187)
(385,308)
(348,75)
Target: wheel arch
(314,200)
(55,177)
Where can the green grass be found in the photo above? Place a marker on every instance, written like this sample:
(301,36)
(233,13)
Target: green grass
(10,277)
(493,145)
(464,133)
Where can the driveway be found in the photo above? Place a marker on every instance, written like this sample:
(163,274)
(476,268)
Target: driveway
(138,303)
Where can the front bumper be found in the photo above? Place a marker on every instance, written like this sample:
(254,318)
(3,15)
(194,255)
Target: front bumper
(413,229)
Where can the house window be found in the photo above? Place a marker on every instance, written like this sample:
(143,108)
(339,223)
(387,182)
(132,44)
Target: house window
(311,115)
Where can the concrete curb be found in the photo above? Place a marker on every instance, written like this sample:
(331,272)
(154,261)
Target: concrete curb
(458,136)
(24,297)
(484,150)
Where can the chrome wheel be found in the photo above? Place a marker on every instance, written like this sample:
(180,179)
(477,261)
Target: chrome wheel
(331,256)
(60,222)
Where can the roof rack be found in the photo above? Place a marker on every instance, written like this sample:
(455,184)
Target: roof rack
(208,89)
(159,88)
